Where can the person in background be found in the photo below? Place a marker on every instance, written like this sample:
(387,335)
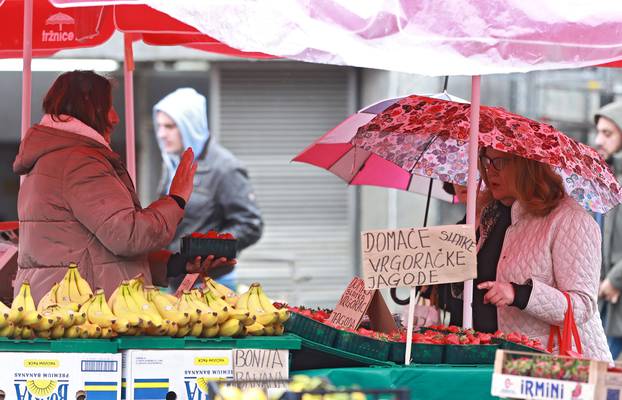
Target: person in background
(78,204)
(551,247)
(608,143)
(223,198)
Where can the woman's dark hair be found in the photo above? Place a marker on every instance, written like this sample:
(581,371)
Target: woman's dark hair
(83,95)
(449,188)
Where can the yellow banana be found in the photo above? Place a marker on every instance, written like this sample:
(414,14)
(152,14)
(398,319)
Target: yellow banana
(183,331)
(121,308)
(268,330)
(48,299)
(82,287)
(17,307)
(196,329)
(279,329)
(145,308)
(172,328)
(250,320)
(61,315)
(4,319)
(45,334)
(107,333)
(93,331)
(254,306)
(121,325)
(218,305)
(77,317)
(73,332)
(242,302)
(7,331)
(63,295)
(27,333)
(45,324)
(58,332)
(211,331)
(171,299)
(207,315)
(166,308)
(241,315)
(231,327)
(268,305)
(223,291)
(255,329)
(98,311)
(185,305)
(17,331)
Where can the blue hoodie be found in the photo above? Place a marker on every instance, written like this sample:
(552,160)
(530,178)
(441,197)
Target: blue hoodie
(188,109)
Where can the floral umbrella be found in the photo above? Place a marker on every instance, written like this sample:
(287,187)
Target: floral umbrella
(429,137)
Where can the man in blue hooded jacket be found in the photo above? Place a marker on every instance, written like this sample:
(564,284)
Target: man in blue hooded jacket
(223,199)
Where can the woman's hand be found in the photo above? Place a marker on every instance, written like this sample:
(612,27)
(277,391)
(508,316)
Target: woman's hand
(499,293)
(197,266)
(608,291)
(183,181)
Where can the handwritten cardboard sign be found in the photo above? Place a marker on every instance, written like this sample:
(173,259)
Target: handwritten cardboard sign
(260,368)
(418,256)
(352,305)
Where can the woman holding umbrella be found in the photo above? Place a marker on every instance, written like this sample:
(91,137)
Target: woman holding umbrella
(552,247)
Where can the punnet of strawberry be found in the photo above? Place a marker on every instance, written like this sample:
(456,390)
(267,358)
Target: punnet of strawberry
(212,235)
(513,337)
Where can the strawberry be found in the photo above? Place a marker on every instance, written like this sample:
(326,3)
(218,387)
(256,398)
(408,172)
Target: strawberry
(452,339)
(474,340)
(513,337)
(463,339)
(498,334)
(196,235)
(453,329)
(212,235)
(228,236)
(485,338)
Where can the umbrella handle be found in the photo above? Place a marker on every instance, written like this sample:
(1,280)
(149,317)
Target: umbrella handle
(396,299)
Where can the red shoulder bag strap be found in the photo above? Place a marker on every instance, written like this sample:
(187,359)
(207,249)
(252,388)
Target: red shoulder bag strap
(566,335)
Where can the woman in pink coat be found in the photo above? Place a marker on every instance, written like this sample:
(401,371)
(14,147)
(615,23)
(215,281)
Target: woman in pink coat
(77,202)
(551,247)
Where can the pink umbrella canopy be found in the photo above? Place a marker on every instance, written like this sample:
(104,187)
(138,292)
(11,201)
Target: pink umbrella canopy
(428,137)
(335,153)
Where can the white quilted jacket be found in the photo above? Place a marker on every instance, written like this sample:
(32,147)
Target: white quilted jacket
(559,252)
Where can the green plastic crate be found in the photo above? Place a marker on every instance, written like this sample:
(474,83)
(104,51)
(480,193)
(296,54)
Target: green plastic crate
(470,353)
(507,345)
(311,329)
(343,354)
(421,353)
(284,342)
(59,345)
(357,344)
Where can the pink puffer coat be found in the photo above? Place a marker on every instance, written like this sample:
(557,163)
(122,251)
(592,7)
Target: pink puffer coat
(78,204)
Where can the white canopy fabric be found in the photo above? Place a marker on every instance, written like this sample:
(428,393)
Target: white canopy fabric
(428,37)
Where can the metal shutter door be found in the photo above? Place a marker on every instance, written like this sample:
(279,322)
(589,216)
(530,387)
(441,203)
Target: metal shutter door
(265,113)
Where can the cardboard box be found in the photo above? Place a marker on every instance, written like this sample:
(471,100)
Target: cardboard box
(521,375)
(152,374)
(60,376)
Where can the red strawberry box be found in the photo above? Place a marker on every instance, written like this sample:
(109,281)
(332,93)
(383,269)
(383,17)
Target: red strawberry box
(209,244)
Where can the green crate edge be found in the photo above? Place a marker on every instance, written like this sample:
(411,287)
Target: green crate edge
(284,342)
(449,348)
(384,347)
(107,346)
(401,348)
(295,320)
(344,354)
(507,345)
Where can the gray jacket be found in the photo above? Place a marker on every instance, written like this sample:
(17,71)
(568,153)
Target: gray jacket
(222,200)
(612,235)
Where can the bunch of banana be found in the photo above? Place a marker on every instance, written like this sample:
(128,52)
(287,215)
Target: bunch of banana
(177,322)
(100,320)
(127,305)
(269,320)
(207,319)
(237,319)
(73,289)
(221,291)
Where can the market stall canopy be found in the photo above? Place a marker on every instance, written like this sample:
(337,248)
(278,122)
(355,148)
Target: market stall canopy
(429,37)
(60,25)
(53,29)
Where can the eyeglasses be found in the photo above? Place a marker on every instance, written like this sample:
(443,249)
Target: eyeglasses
(497,163)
